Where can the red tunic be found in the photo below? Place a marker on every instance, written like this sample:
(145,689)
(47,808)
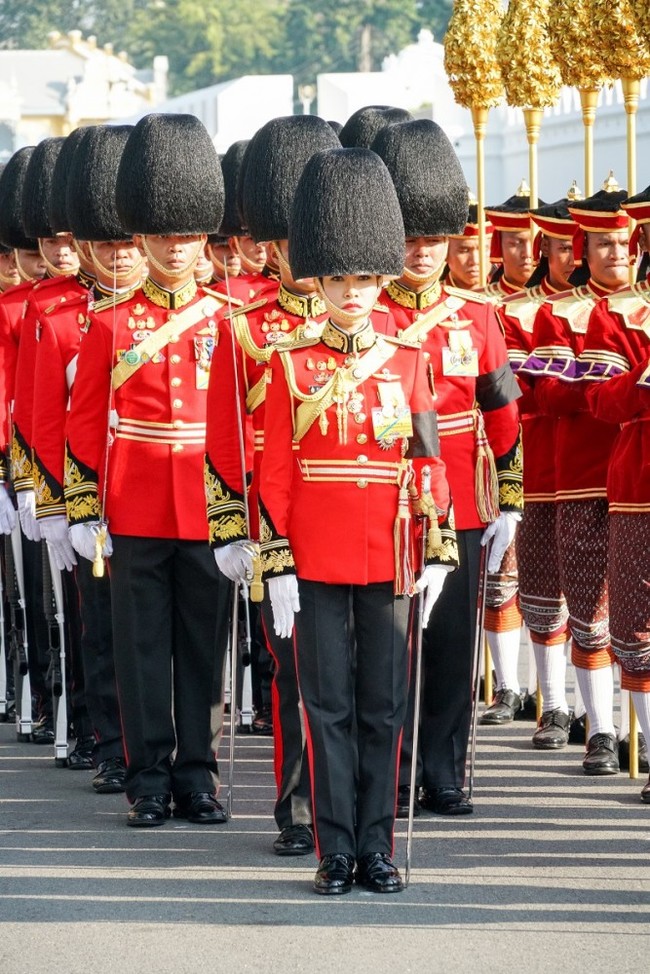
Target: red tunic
(12,309)
(517,316)
(237,394)
(461,399)
(155,470)
(616,365)
(328,490)
(44,296)
(582,443)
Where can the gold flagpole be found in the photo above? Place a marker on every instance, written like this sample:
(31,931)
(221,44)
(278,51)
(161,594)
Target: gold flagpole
(475,79)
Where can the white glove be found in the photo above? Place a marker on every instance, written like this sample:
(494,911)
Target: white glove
(7,513)
(84,537)
(430,583)
(501,532)
(235,560)
(27,514)
(285,602)
(54,530)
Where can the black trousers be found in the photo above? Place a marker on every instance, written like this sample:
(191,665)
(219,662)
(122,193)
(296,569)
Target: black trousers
(98,663)
(447,653)
(293,783)
(354,710)
(170,625)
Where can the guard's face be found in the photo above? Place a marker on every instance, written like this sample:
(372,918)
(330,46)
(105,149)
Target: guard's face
(30,264)
(353,294)
(9,275)
(203,266)
(254,253)
(174,253)
(425,256)
(609,259)
(222,254)
(463,260)
(517,250)
(60,253)
(118,255)
(561,261)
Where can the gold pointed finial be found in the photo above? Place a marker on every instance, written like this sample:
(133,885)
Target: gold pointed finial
(611,183)
(523,189)
(574,193)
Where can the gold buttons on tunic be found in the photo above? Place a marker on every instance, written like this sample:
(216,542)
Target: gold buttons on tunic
(177,403)
(176,381)
(362,483)
(362,439)
(362,458)
(177,448)
(174,359)
(178,424)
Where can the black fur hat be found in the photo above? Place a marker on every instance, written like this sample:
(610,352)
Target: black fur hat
(275,159)
(12,233)
(37,188)
(364,125)
(428,177)
(59,219)
(231,165)
(346,217)
(169,180)
(3,248)
(91,187)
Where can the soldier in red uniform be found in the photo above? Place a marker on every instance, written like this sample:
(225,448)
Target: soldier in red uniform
(118,267)
(511,246)
(582,449)
(559,245)
(349,421)
(615,364)
(278,153)
(463,261)
(153,349)
(475,392)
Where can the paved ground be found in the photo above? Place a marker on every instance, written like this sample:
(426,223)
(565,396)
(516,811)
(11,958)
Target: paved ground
(552,872)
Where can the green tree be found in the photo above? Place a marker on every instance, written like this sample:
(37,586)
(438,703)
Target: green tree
(435,15)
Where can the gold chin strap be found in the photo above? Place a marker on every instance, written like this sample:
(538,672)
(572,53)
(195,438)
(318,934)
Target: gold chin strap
(418,280)
(51,269)
(182,271)
(344,318)
(24,276)
(119,277)
(250,266)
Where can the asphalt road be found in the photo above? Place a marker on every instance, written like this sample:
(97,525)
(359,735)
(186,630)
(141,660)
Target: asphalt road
(551,873)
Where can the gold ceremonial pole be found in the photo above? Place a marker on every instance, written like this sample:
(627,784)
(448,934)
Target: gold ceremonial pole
(479,118)
(631,88)
(533,121)
(588,103)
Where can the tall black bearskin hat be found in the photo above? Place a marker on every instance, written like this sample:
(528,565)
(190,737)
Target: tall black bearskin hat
(363,126)
(335,126)
(59,220)
(91,187)
(37,188)
(3,247)
(12,233)
(346,217)
(428,177)
(169,180)
(275,159)
(231,166)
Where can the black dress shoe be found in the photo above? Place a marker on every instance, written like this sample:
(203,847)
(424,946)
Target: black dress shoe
(624,754)
(377,873)
(81,758)
(503,708)
(149,810)
(528,707)
(553,730)
(602,755)
(335,874)
(263,722)
(402,808)
(645,792)
(446,801)
(43,731)
(578,730)
(201,808)
(110,776)
(294,840)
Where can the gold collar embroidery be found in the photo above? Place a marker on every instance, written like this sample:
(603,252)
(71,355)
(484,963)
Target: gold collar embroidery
(301,305)
(169,299)
(414,300)
(346,342)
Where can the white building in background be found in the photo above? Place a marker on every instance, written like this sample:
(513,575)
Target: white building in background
(74,82)
(233,110)
(415,79)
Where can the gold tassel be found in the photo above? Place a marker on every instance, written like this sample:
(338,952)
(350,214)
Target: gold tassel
(486,479)
(403,534)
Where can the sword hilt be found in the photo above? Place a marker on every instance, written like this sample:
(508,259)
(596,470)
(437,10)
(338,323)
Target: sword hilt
(98,561)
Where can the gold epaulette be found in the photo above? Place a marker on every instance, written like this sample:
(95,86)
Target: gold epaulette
(112,300)
(381,307)
(220,296)
(523,306)
(245,309)
(632,304)
(461,292)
